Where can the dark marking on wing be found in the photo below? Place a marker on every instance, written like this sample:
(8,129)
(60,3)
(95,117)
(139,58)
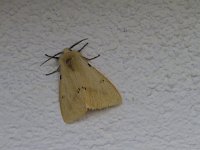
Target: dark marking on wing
(68,60)
(69,64)
(83,87)
(60,77)
(78,90)
(102,81)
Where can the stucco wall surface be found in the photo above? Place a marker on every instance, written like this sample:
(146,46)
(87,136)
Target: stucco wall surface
(149,49)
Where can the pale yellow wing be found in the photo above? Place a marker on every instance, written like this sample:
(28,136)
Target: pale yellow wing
(72,105)
(71,102)
(82,87)
(100,92)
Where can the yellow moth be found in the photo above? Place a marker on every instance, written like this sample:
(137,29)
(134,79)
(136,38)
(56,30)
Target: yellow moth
(82,87)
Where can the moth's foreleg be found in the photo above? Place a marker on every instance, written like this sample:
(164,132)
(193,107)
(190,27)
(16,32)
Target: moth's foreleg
(57,70)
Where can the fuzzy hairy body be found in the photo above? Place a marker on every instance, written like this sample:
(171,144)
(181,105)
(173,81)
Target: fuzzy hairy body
(82,87)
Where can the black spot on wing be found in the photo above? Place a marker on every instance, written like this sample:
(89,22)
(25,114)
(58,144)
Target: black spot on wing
(102,81)
(83,87)
(78,90)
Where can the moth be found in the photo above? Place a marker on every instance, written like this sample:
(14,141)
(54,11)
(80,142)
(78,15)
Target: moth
(81,86)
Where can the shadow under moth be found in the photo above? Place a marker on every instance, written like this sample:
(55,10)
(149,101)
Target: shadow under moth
(82,87)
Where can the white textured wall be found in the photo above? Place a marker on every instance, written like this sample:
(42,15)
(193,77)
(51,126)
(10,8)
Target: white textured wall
(150,50)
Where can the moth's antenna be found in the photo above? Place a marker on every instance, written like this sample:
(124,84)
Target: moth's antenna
(77,43)
(54,56)
(83,47)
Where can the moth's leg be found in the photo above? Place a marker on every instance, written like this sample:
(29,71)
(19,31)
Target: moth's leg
(52,56)
(83,47)
(57,70)
(92,57)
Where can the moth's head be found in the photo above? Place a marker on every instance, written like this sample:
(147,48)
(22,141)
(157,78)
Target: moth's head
(68,54)
(69,51)
(66,51)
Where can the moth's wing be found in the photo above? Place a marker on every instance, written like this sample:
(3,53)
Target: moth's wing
(100,92)
(71,102)
(82,87)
